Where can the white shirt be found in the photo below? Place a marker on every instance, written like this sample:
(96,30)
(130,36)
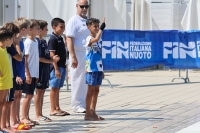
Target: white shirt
(77,28)
(31,49)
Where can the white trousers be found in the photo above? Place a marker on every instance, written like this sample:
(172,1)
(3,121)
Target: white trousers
(78,85)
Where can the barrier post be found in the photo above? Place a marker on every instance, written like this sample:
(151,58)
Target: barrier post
(186,79)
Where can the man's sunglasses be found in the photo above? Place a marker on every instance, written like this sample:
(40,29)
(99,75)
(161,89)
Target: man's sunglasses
(84,6)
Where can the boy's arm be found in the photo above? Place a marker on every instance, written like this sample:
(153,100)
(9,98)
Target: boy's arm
(97,37)
(13,52)
(55,58)
(17,57)
(57,72)
(28,75)
(17,46)
(71,52)
(42,56)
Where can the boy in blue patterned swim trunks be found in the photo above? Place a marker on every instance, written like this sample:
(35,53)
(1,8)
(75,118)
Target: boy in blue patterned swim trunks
(94,67)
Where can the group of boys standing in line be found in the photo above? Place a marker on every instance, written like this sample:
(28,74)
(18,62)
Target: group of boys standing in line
(34,63)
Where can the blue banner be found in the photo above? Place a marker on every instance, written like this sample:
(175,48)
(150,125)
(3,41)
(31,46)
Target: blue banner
(131,50)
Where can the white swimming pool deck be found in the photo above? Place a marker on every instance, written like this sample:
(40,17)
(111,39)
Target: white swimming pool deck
(140,102)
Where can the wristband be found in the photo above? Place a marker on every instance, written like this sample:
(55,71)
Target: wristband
(103,25)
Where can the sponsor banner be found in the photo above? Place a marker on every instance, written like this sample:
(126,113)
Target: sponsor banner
(131,50)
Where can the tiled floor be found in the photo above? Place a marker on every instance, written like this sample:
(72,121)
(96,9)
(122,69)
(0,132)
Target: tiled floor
(140,102)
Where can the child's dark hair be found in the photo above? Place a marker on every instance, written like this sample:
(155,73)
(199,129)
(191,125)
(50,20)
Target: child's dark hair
(56,21)
(11,26)
(91,21)
(42,24)
(5,34)
(34,23)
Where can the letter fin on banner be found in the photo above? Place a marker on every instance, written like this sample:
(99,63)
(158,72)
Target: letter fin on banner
(122,50)
(106,48)
(187,50)
(198,48)
(167,49)
(114,50)
(175,50)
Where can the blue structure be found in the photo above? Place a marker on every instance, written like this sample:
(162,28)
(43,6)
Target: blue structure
(131,50)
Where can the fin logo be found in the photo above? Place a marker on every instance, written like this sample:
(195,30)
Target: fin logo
(116,49)
(133,50)
(180,50)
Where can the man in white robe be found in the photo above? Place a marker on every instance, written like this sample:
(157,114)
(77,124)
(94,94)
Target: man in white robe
(77,32)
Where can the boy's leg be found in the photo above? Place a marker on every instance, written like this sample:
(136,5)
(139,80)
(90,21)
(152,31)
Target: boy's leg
(13,107)
(3,95)
(38,103)
(7,106)
(56,84)
(25,108)
(5,118)
(88,115)
(18,96)
(62,80)
(42,100)
(96,80)
(57,101)
(94,99)
(29,90)
(13,113)
(53,94)
(94,102)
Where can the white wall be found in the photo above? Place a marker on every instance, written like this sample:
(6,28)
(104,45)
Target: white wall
(49,9)
(167,14)
(115,13)
(1,12)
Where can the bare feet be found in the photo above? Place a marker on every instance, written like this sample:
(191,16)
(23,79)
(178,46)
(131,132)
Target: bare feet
(27,122)
(61,111)
(94,114)
(91,118)
(34,122)
(43,119)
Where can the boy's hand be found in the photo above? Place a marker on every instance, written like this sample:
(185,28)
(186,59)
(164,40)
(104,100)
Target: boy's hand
(36,80)
(56,58)
(28,79)
(103,21)
(19,80)
(103,25)
(1,75)
(17,39)
(74,63)
(57,73)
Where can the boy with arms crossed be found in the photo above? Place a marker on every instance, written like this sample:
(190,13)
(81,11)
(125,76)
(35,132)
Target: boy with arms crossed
(31,69)
(94,67)
(44,71)
(6,39)
(56,46)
